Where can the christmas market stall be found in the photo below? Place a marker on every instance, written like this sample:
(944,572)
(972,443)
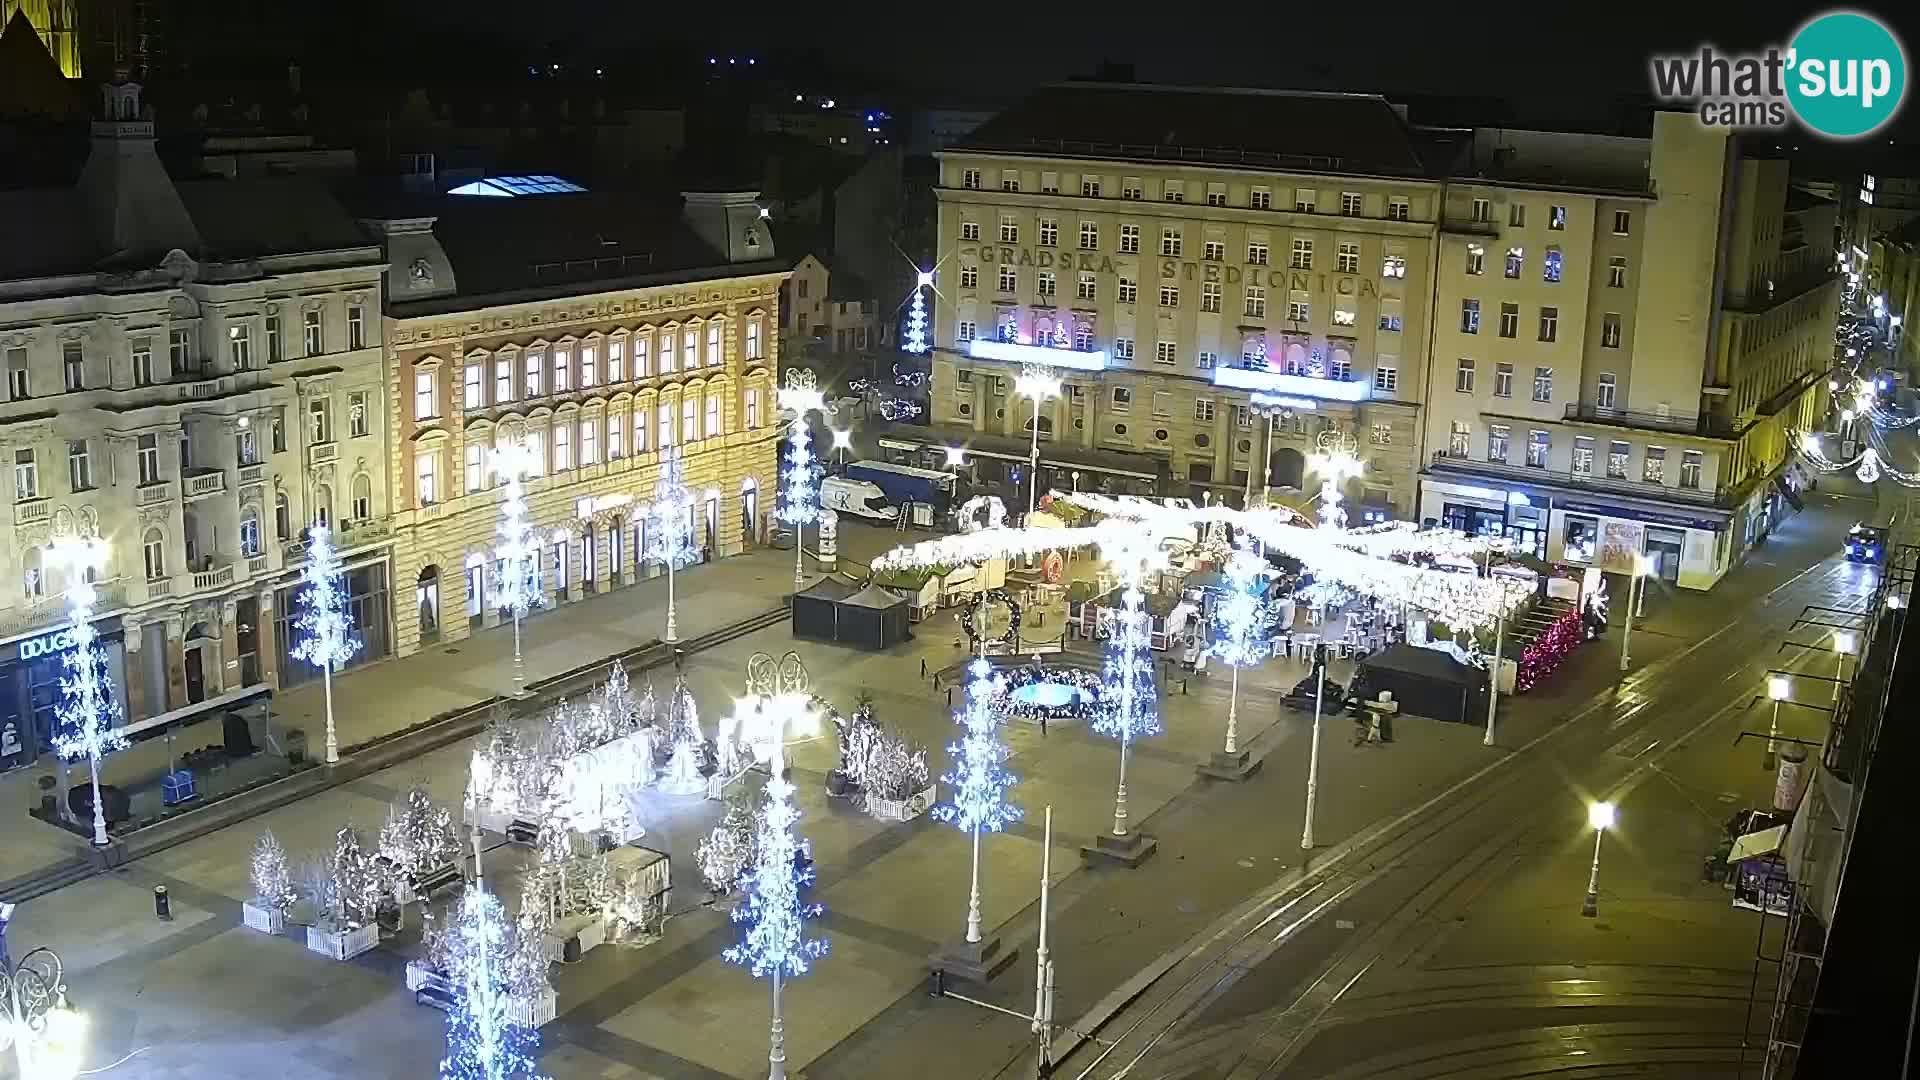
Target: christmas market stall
(870,618)
(1426,682)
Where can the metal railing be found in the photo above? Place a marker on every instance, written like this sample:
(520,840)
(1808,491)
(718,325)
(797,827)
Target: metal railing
(1704,424)
(1588,481)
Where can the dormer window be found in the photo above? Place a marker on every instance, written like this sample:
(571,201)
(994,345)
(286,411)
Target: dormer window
(753,236)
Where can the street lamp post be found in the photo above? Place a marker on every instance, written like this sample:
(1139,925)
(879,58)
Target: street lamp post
(1038,384)
(1600,815)
(87,707)
(1493,676)
(39,1021)
(1313,755)
(1634,585)
(1843,646)
(842,442)
(516,585)
(1777,688)
(800,396)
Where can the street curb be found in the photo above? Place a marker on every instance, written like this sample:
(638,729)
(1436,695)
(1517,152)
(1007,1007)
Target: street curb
(363,759)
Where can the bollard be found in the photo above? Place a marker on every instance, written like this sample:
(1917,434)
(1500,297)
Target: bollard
(937,984)
(949,697)
(162,907)
(923,667)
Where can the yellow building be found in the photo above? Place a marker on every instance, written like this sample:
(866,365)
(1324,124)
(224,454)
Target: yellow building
(596,330)
(57,22)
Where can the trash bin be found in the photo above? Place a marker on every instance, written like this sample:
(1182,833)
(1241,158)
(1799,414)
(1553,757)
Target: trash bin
(296,746)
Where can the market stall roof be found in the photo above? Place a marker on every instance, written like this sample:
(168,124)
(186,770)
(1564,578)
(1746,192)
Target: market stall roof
(873,596)
(1758,845)
(828,588)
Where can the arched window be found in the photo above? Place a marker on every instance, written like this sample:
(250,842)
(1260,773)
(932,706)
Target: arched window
(322,505)
(363,498)
(250,532)
(282,517)
(153,549)
(33,574)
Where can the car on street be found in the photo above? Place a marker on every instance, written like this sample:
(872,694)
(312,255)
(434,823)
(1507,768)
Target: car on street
(1866,543)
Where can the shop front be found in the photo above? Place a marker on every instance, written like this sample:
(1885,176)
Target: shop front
(368,607)
(1687,552)
(30,672)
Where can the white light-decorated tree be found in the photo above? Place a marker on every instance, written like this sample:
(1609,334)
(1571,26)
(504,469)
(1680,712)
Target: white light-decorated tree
(671,539)
(87,712)
(419,836)
(516,585)
(1130,710)
(979,780)
(916,336)
(1244,618)
(800,490)
(726,851)
(484,1041)
(357,882)
(270,876)
(325,624)
(686,744)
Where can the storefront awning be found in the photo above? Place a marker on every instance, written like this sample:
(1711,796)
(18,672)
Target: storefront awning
(200,710)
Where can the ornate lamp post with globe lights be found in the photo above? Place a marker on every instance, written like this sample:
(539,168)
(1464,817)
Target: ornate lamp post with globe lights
(672,540)
(802,503)
(87,709)
(979,782)
(1129,710)
(1269,409)
(45,1032)
(1334,462)
(517,585)
(1243,619)
(1038,384)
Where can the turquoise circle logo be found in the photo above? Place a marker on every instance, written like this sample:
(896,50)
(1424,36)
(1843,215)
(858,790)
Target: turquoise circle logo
(1846,75)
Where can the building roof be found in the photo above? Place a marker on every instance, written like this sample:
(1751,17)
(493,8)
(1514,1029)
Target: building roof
(49,233)
(251,218)
(30,78)
(1799,198)
(1350,133)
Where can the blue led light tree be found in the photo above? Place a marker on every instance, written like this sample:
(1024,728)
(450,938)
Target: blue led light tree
(671,541)
(1243,618)
(516,586)
(325,624)
(800,505)
(916,339)
(979,779)
(87,710)
(483,1040)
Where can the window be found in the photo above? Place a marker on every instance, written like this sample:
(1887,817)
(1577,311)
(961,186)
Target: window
(1509,320)
(426,482)
(246,447)
(1476,259)
(1549,323)
(616,361)
(250,532)
(1302,254)
(1260,199)
(1653,468)
(689,418)
(1543,384)
(73,366)
(712,429)
(1049,232)
(502,380)
(1622,222)
(1169,296)
(153,551)
(356,326)
(1242,416)
(1123,348)
(1214,251)
(1503,380)
(1049,183)
(1089,236)
(1386,377)
(970,179)
(1009,230)
(969,230)
(1617,272)
(1131,188)
(1690,469)
(1556,218)
(1129,290)
(1347,259)
(143,361)
(562,445)
(476,467)
(1009,278)
(1458,439)
(1165,352)
(1089,187)
(1256,302)
(665,417)
(1463,376)
(640,429)
(19,376)
(359,417)
(1299,311)
(1469,316)
(1583,534)
(79,466)
(1516,261)
(1344,316)
(423,403)
(315,339)
(534,362)
(1340,369)
(1083,337)
(969,277)
(179,351)
(1390,323)
(1517,215)
(1171,242)
(1203,410)
(1550,267)
(1209,296)
(473,386)
(1617,460)
(689,350)
(1498,436)
(1583,455)
(1350,204)
(276,352)
(1398,208)
(1009,180)
(1604,390)
(617,431)
(1173,191)
(1044,286)
(1122,399)
(1162,404)
(1610,330)
(1129,239)
(964,330)
(1216,195)
(1483,210)
(1084,287)
(147,457)
(1393,266)
(282,517)
(590,440)
(1539,445)
(1257,254)
(590,366)
(1303,200)
(319,421)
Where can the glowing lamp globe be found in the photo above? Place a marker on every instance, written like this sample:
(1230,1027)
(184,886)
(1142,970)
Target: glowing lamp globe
(1600,815)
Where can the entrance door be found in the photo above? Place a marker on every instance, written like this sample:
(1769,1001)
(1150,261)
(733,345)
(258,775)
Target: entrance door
(749,512)
(476,595)
(196,677)
(1664,547)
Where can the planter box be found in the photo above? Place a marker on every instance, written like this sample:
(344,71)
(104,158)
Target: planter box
(420,976)
(533,1012)
(902,809)
(267,920)
(342,944)
(575,936)
(403,892)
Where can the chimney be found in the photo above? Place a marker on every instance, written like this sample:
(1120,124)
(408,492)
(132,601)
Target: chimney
(731,222)
(293,79)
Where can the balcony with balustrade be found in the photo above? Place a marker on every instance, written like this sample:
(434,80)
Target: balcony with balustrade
(1461,467)
(200,483)
(1703,425)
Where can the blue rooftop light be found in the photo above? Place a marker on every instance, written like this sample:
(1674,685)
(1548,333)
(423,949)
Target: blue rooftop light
(515,186)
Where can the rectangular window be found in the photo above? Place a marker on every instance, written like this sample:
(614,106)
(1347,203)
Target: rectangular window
(1209,296)
(1390,323)
(356,326)
(1089,236)
(713,417)
(1044,286)
(1009,180)
(1583,536)
(964,330)
(1009,230)
(1242,416)
(26,476)
(640,430)
(969,277)
(319,421)
(1517,215)
(1260,199)
(1543,384)
(1083,338)
(1203,410)
(1129,239)
(1622,222)
(617,434)
(1162,404)
(689,349)
(589,441)
(1049,183)
(1550,266)
(535,362)
(314,336)
(1256,302)
(1516,261)
(1604,390)
(1476,259)
(473,385)
(1469,316)
(79,465)
(1171,242)
(502,380)
(1539,445)
(1458,439)
(1169,296)
(1498,435)
(562,445)
(1503,380)
(1344,316)
(1556,218)
(1549,323)
(246,447)
(1509,320)
(1583,455)
(1299,311)
(143,361)
(1690,469)
(1347,259)
(665,417)
(1398,208)
(1350,204)
(689,419)
(1302,254)
(19,376)
(147,457)
(73,366)
(969,230)
(970,179)
(1216,194)
(279,425)
(476,467)
(1257,254)
(1339,368)
(1303,200)
(1617,460)
(359,416)
(276,352)
(1173,191)
(1086,287)
(1009,278)
(423,403)
(240,347)
(1386,377)
(1482,210)
(1123,348)
(1166,352)
(643,355)
(1617,272)
(1653,467)
(1129,290)
(616,361)
(590,365)
(1089,187)
(1393,266)
(1121,400)
(1463,376)
(1049,232)
(1610,331)
(426,487)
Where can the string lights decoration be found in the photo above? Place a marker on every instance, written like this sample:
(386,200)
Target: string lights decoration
(800,506)
(87,711)
(1244,618)
(1033,692)
(1546,652)
(484,1039)
(972,622)
(979,779)
(1335,461)
(672,533)
(1131,711)
(270,876)
(728,848)
(419,836)
(686,743)
(516,587)
(325,624)
(916,339)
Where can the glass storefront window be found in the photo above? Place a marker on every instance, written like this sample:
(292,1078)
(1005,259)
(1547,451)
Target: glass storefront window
(1583,534)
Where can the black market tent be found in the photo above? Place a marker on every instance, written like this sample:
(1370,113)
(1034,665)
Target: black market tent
(832,610)
(1426,682)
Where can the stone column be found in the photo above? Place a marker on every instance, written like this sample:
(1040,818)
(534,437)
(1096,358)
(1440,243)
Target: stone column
(267,640)
(176,660)
(133,695)
(227,677)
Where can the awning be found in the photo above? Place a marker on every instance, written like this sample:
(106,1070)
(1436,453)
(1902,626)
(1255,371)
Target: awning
(1758,845)
(199,710)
